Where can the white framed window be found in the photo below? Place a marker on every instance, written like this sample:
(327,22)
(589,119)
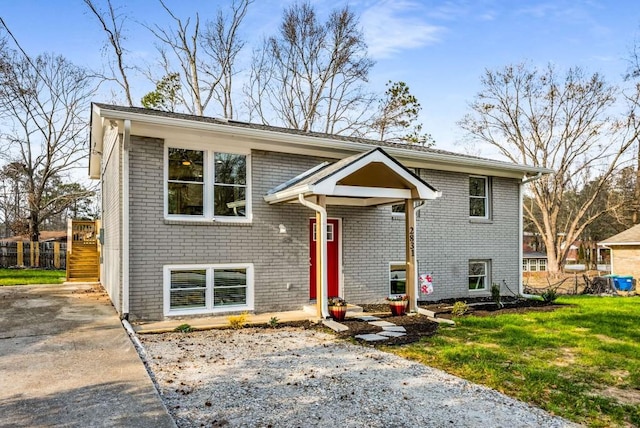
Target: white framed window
(207,289)
(479,197)
(542,264)
(479,275)
(533,265)
(525,265)
(203,184)
(397,278)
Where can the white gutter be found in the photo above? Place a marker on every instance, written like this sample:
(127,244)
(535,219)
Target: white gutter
(125,218)
(323,252)
(521,234)
(414,298)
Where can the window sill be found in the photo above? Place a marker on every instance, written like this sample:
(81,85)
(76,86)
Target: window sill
(204,311)
(480,220)
(207,222)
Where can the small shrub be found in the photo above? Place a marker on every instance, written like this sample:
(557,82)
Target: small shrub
(183,328)
(273,322)
(238,321)
(495,294)
(459,308)
(549,296)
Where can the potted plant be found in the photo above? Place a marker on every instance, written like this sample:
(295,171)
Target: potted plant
(337,308)
(398,304)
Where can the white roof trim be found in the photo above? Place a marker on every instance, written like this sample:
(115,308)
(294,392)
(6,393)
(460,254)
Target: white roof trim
(324,142)
(328,185)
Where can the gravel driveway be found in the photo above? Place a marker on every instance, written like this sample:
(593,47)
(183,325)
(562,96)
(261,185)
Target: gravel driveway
(291,377)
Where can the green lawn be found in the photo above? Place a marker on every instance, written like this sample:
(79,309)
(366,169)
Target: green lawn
(581,362)
(31,276)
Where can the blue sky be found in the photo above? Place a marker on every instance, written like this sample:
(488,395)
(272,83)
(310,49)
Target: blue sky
(439,48)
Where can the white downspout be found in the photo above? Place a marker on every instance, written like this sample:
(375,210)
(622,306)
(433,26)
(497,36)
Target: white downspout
(125,218)
(521,234)
(414,297)
(323,252)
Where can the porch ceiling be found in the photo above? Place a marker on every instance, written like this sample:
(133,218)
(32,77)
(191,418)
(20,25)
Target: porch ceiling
(365,179)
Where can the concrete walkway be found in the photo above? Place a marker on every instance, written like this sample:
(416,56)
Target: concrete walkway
(66,360)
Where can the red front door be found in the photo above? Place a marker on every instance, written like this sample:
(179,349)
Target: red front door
(333,244)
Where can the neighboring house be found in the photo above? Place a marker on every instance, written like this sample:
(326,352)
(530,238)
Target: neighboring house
(209,216)
(625,252)
(533,262)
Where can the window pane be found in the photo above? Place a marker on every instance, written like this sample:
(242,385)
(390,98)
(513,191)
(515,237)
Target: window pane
(229,287)
(477,268)
(398,279)
(188,289)
(185,198)
(542,264)
(533,263)
(477,207)
(476,283)
(477,186)
(397,208)
(229,201)
(230,296)
(230,169)
(188,299)
(229,277)
(477,275)
(186,165)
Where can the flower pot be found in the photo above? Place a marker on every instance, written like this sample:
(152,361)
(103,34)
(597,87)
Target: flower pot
(398,308)
(338,312)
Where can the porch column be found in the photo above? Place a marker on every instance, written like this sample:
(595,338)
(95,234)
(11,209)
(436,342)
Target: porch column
(410,257)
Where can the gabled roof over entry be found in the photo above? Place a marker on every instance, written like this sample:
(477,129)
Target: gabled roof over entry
(365,179)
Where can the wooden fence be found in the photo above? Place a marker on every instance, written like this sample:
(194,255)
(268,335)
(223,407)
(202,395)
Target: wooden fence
(51,255)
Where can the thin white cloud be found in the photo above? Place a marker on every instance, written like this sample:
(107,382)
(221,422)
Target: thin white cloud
(392,26)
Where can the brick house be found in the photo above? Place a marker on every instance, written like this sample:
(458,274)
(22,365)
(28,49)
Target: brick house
(625,252)
(209,216)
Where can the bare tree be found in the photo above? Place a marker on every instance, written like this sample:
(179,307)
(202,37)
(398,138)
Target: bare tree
(222,44)
(633,75)
(566,123)
(112,24)
(43,103)
(311,75)
(205,59)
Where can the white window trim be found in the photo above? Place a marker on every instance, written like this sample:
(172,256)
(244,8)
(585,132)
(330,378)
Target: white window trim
(487,198)
(208,185)
(209,308)
(389,272)
(487,275)
(542,263)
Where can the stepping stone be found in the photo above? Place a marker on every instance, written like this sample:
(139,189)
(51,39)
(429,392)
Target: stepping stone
(335,326)
(394,328)
(367,318)
(392,333)
(382,323)
(371,337)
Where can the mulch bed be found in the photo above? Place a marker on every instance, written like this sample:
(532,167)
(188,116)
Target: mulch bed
(486,307)
(420,326)
(417,326)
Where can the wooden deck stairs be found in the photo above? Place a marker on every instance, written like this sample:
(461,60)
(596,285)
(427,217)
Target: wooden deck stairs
(83,255)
